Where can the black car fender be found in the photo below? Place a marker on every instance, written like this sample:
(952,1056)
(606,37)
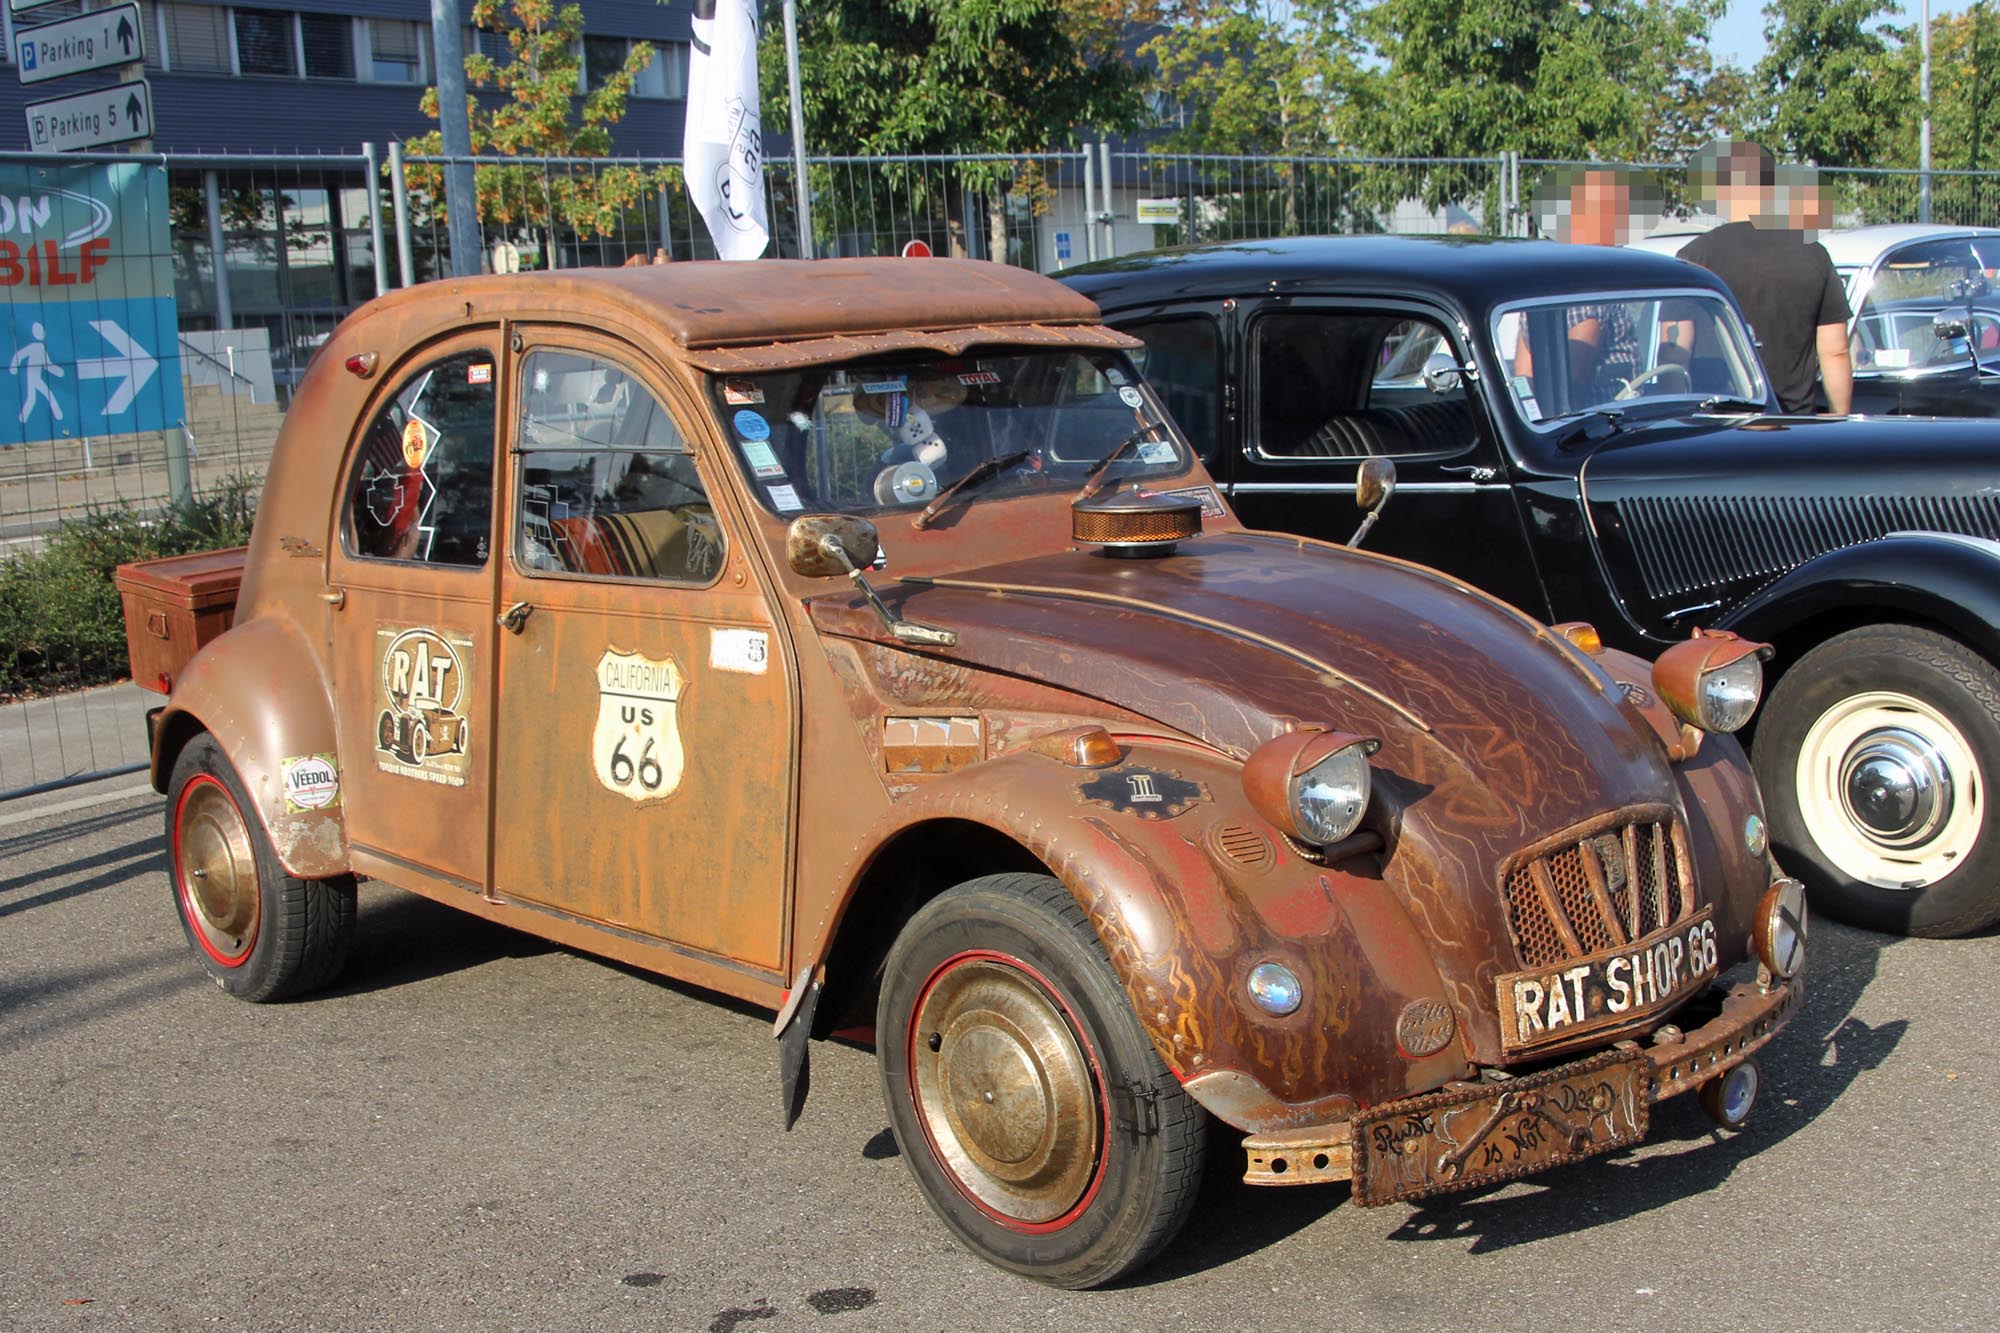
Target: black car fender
(1949,581)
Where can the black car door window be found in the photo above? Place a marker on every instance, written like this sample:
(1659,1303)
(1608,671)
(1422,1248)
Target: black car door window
(1343,383)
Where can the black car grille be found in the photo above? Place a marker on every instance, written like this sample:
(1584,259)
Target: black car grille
(1597,887)
(1705,544)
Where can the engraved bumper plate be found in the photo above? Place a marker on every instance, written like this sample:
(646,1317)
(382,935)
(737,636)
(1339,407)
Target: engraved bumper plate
(1466,1137)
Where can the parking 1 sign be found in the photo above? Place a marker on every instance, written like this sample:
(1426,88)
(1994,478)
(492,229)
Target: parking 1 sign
(90,337)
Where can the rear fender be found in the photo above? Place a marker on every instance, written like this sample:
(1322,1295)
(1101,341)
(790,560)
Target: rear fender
(257,691)
(1183,923)
(1947,580)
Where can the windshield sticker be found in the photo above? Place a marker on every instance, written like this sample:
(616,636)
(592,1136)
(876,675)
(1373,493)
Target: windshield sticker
(1157,451)
(1149,793)
(416,443)
(738,392)
(421,704)
(884,386)
(974,378)
(1114,375)
(310,781)
(785,500)
(478,374)
(635,749)
(763,460)
(1524,389)
(751,426)
(1131,397)
(743,650)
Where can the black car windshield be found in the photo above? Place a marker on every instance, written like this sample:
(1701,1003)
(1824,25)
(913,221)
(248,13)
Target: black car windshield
(865,437)
(1618,351)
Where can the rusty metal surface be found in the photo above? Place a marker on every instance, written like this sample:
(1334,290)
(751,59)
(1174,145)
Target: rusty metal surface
(1321,1155)
(1749,1018)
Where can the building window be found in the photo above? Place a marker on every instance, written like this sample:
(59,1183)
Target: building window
(666,75)
(197,38)
(329,46)
(396,51)
(264,42)
(602,58)
(491,44)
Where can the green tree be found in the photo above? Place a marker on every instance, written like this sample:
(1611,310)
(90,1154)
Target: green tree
(1007,77)
(542,111)
(1830,85)
(1254,76)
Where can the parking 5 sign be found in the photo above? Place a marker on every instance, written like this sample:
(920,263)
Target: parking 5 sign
(90,339)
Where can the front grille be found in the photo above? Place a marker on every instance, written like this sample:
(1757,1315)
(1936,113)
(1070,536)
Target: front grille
(1598,886)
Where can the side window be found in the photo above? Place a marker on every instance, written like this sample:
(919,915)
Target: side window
(608,483)
(1350,384)
(1182,360)
(1895,329)
(422,487)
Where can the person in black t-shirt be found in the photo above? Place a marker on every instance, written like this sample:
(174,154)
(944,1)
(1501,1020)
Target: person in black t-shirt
(1786,284)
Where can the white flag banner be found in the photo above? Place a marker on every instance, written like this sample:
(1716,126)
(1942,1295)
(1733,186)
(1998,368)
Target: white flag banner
(723,150)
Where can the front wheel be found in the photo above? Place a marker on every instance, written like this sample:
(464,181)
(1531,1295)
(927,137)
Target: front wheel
(258,932)
(1874,753)
(1040,1123)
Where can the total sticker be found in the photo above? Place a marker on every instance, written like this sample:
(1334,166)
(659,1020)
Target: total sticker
(737,392)
(978,377)
(1131,397)
(763,460)
(752,426)
(311,781)
(744,650)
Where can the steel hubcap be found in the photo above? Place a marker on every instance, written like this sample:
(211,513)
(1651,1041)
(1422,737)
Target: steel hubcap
(218,872)
(1897,786)
(1005,1091)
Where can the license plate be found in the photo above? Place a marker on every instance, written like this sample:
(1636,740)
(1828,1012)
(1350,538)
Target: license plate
(1464,1138)
(1570,999)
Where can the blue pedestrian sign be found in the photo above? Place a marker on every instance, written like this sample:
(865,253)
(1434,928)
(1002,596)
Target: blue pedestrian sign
(1062,245)
(91,335)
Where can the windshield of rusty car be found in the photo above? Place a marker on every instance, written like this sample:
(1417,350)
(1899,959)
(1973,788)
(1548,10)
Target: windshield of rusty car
(1896,325)
(1619,351)
(865,437)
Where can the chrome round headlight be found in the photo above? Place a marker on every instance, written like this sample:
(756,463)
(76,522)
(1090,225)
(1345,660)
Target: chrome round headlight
(1329,799)
(1780,928)
(1728,695)
(1276,989)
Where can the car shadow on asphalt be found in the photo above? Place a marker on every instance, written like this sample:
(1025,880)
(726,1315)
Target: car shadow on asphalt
(401,939)
(1806,1069)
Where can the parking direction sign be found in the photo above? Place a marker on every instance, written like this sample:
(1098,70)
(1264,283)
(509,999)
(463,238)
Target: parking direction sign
(89,334)
(96,119)
(77,46)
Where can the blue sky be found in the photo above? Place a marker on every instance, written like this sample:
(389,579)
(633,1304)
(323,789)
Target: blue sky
(1740,32)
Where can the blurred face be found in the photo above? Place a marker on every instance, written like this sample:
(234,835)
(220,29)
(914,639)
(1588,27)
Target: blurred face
(1600,210)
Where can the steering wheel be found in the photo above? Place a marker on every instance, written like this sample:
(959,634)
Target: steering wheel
(1638,382)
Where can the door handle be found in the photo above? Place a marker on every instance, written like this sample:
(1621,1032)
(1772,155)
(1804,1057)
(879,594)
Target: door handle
(514,617)
(1479,473)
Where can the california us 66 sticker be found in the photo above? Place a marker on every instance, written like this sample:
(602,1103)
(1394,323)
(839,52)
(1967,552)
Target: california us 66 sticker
(636,746)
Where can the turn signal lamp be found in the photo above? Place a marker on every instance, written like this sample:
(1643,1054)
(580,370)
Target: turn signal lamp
(361,365)
(1079,747)
(1582,634)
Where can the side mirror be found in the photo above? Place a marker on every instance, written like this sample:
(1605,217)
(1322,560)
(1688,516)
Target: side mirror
(815,542)
(1372,489)
(1442,374)
(1949,328)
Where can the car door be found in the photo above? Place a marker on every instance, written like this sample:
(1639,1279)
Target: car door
(645,742)
(1329,384)
(410,618)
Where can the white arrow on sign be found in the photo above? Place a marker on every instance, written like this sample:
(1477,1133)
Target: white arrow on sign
(133,363)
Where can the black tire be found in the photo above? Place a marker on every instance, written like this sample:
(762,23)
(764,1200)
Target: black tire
(385,732)
(259,933)
(1877,753)
(1086,1181)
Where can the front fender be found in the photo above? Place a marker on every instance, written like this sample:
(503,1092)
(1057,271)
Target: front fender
(256,691)
(1188,893)
(1948,580)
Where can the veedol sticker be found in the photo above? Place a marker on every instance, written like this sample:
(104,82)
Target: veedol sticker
(635,749)
(1131,397)
(311,782)
(738,392)
(479,374)
(752,426)
(744,650)
(421,704)
(785,500)
(763,460)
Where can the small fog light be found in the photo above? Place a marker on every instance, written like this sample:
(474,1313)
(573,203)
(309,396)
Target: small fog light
(1779,928)
(1728,1097)
(1275,988)
(1756,838)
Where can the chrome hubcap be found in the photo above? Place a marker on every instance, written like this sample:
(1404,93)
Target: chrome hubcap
(1890,790)
(217,872)
(1005,1090)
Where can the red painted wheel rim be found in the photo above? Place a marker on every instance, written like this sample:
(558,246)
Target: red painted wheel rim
(215,872)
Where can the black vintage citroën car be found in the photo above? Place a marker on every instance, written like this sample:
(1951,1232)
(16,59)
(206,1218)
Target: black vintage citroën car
(1588,433)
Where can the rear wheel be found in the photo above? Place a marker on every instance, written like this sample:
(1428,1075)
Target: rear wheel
(1039,1121)
(1875,753)
(260,933)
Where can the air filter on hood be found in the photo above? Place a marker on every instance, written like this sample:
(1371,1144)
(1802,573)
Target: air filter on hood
(1135,523)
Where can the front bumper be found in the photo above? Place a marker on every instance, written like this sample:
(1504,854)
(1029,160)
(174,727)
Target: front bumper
(1473,1134)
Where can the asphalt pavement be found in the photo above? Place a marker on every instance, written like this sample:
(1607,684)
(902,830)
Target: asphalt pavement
(477,1130)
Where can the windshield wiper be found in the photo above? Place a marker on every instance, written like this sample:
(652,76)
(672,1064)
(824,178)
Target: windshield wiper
(1093,482)
(1599,423)
(979,476)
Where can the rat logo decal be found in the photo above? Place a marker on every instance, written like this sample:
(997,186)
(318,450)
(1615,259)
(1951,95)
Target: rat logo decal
(636,747)
(420,725)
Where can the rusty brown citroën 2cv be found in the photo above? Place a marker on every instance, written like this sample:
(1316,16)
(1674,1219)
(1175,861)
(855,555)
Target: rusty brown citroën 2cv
(884,592)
